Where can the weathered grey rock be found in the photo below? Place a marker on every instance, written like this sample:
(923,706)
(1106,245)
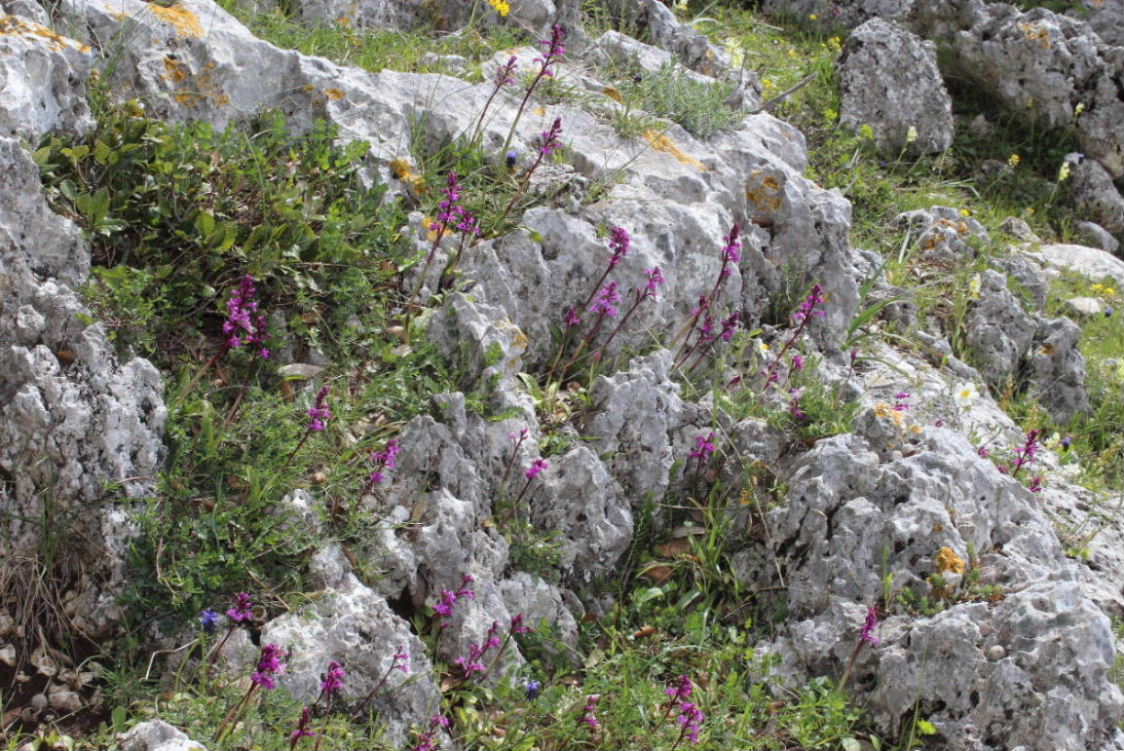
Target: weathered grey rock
(1085,306)
(1029,278)
(1057,369)
(999,331)
(1092,263)
(1094,194)
(634,413)
(942,233)
(1017,227)
(1105,16)
(852,518)
(889,81)
(1094,235)
(42,75)
(666,31)
(1049,69)
(156,735)
(350,624)
(72,418)
(542,604)
(586,507)
(835,13)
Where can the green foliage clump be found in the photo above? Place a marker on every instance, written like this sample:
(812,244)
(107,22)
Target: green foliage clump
(189,211)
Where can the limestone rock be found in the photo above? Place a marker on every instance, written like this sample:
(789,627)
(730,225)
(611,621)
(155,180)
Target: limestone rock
(851,518)
(888,80)
(42,75)
(156,735)
(999,331)
(1085,306)
(73,419)
(1094,194)
(942,233)
(1092,263)
(352,625)
(1057,369)
(1049,69)
(830,14)
(1094,235)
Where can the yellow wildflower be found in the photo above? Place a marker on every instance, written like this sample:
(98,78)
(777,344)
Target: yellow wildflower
(736,52)
(503,7)
(1014,160)
(1063,172)
(911,134)
(974,287)
(812,16)
(1079,109)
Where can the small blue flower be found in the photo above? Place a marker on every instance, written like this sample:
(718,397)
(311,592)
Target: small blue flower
(209,620)
(1108,312)
(512,158)
(533,688)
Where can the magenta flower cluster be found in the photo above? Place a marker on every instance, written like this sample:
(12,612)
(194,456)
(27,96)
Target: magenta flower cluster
(427,740)
(690,717)
(871,623)
(319,413)
(244,324)
(551,139)
(705,320)
(536,468)
(383,460)
(449,597)
(269,666)
(704,447)
(243,609)
(332,680)
(589,716)
(450,213)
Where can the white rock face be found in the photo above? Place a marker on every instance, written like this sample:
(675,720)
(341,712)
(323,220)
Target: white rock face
(849,509)
(888,80)
(73,419)
(1092,263)
(42,79)
(1051,69)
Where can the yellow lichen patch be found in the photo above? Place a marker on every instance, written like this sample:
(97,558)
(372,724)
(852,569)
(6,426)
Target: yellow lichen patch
(175,71)
(946,560)
(1036,32)
(401,168)
(334,93)
(185,22)
(884,410)
(764,192)
(540,112)
(612,93)
(660,142)
(15,26)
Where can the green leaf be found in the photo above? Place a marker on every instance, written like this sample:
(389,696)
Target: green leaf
(850,744)
(926,728)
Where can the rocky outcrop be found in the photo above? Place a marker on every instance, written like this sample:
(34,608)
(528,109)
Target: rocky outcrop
(1050,69)
(889,81)
(1015,635)
(79,429)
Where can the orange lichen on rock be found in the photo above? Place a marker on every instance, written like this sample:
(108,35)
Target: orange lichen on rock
(334,93)
(660,142)
(185,22)
(946,560)
(15,26)
(764,192)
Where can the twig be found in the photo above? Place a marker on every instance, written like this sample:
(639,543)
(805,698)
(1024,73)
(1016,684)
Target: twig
(784,94)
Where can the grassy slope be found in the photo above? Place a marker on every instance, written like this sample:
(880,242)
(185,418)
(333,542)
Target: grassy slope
(238,431)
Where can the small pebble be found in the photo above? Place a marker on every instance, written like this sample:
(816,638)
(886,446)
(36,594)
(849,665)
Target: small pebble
(996,652)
